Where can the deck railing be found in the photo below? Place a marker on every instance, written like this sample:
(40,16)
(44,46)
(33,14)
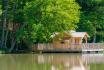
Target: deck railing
(50,46)
(93,45)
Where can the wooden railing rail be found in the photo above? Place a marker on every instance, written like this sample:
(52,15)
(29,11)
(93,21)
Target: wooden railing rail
(50,46)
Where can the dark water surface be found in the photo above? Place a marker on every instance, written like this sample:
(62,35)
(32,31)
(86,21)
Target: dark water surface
(51,61)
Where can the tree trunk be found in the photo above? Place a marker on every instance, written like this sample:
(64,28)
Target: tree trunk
(6,38)
(94,39)
(12,45)
(4,20)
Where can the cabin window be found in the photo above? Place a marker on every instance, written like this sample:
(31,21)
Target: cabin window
(62,42)
(77,41)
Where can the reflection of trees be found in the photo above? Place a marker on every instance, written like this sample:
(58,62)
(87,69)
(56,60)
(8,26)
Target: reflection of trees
(16,62)
(39,62)
(46,61)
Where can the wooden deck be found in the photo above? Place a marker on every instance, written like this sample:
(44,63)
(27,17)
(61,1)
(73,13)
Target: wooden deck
(90,47)
(93,47)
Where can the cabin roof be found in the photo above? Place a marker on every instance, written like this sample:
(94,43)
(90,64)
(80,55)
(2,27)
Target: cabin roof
(79,34)
(72,33)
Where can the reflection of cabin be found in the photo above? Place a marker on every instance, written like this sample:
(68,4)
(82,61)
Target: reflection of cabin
(70,37)
(67,62)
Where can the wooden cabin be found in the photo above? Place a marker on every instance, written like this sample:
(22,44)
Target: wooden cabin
(70,41)
(70,38)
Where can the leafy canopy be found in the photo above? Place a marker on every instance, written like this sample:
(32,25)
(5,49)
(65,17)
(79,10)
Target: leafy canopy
(47,16)
(92,18)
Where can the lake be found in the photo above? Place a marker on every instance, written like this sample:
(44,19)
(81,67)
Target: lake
(58,61)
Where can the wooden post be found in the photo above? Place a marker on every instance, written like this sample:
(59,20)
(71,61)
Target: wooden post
(86,41)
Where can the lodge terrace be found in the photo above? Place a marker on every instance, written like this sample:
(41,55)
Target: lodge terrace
(69,41)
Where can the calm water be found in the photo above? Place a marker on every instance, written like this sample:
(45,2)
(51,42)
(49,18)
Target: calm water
(52,61)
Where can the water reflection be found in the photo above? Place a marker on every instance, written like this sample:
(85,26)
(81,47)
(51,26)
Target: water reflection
(63,62)
(51,61)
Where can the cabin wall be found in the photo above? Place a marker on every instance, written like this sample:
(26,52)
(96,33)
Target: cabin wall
(77,40)
(61,44)
(68,42)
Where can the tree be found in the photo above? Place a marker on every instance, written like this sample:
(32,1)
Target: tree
(12,22)
(34,21)
(0,18)
(4,20)
(92,19)
(46,17)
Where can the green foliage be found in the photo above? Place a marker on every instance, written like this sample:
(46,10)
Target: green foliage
(45,17)
(34,21)
(0,17)
(92,18)
(0,10)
